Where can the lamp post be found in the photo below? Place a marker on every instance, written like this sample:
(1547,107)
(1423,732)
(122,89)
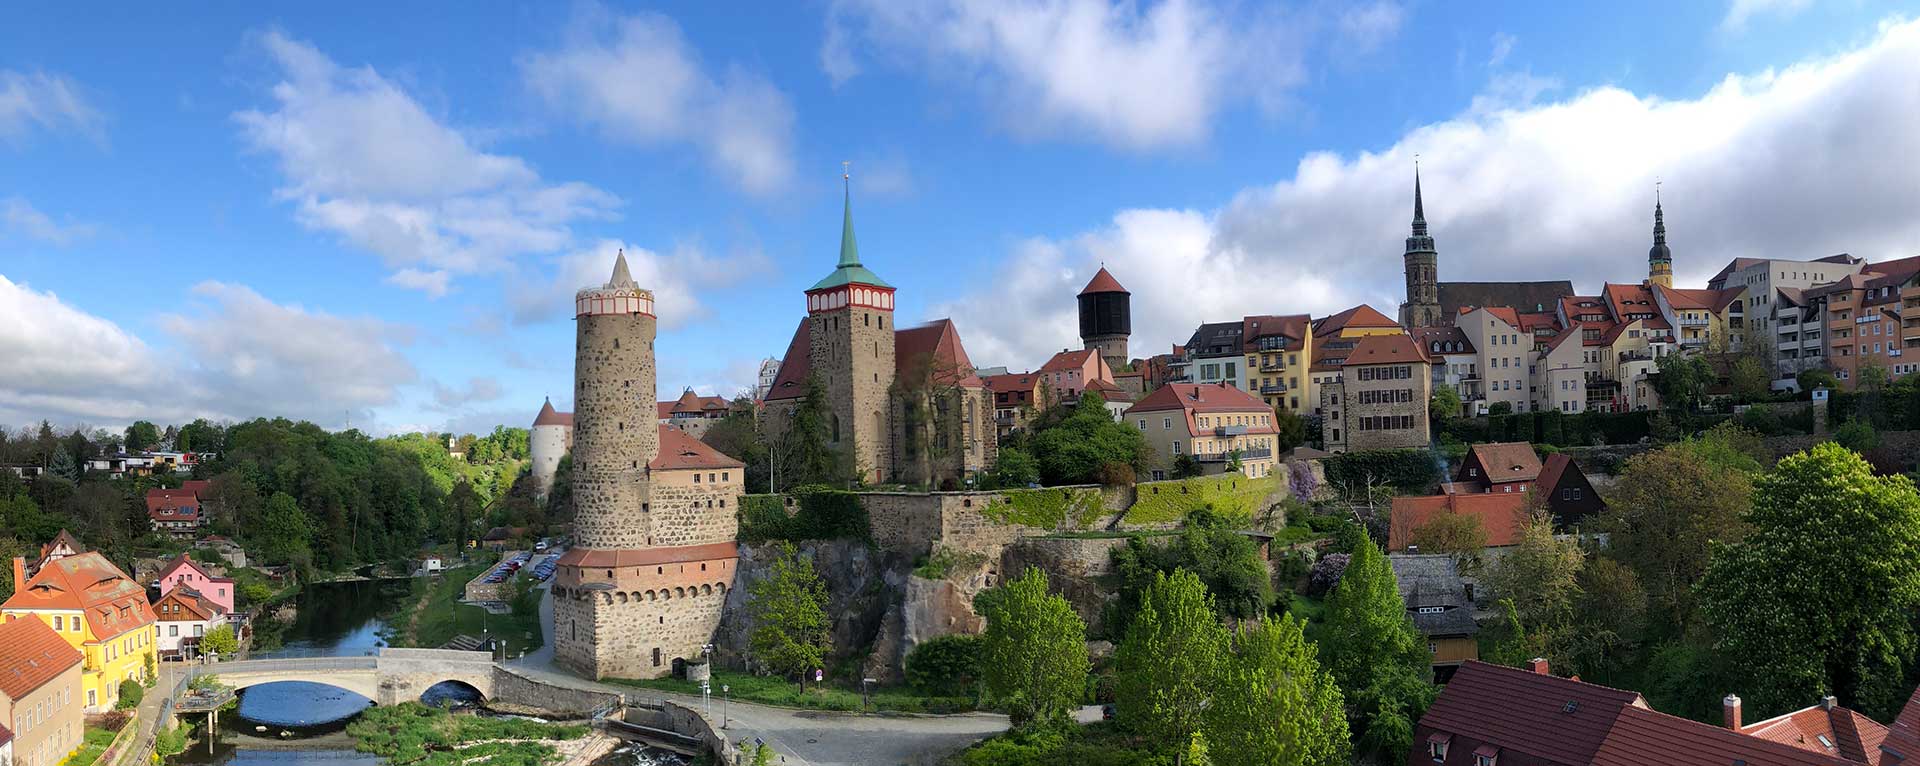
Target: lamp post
(726,695)
(866,694)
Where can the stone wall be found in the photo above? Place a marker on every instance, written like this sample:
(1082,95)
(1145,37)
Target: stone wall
(914,523)
(635,623)
(851,350)
(563,702)
(682,719)
(1074,568)
(686,512)
(863,584)
(615,429)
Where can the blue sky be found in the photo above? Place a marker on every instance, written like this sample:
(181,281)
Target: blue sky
(375,214)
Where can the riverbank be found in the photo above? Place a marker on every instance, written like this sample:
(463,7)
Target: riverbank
(768,690)
(434,615)
(412,733)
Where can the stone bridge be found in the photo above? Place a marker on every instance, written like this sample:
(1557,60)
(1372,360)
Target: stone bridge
(395,675)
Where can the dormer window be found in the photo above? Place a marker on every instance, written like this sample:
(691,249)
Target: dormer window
(1437,747)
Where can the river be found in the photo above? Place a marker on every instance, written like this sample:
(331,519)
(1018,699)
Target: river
(331,618)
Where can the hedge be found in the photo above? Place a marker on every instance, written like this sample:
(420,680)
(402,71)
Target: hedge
(1406,469)
(819,513)
(1051,508)
(1230,496)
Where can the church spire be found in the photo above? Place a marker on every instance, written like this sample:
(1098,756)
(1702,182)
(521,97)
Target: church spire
(621,276)
(849,248)
(1659,257)
(1419,209)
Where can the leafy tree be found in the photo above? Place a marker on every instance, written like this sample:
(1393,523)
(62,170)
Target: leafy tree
(1500,408)
(1751,381)
(1444,406)
(1609,620)
(1273,704)
(1820,596)
(1816,378)
(1185,467)
(1074,450)
(1033,656)
(1290,427)
(220,641)
(1169,659)
(1226,562)
(1507,640)
(142,436)
(285,531)
(201,436)
(1454,534)
(1197,751)
(945,666)
(807,452)
(789,613)
(463,509)
(1857,435)
(1369,645)
(763,755)
(1541,576)
(1682,380)
(131,692)
(1668,508)
(1014,467)
(10,548)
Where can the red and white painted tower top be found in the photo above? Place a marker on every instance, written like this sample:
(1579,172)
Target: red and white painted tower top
(850,284)
(620,295)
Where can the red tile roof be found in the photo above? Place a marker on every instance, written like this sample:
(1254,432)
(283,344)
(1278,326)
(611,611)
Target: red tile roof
(1507,461)
(791,381)
(936,344)
(1102,282)
(1642,736)
(679,450)
(1361,316)
(1555,467)
(172,504)
(691,403)
(583,557)
(1385,349)
(186,560)
(1501,514)
(1068,360)
(112,601)
(1533,320)
(1542,716)
(31,654)
(192,607)
(1192,398)
(549,417)
(1903,736)
(1696,298)
(1108,391)
(1827,729)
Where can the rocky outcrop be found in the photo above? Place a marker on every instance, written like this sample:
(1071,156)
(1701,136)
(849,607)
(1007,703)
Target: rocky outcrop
(1075,569)
(863,586)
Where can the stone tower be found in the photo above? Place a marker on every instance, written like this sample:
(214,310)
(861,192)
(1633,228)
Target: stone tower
(614,420)
(1422,264)
(1659,258)
(547,442)
(1106,318)
(850,348)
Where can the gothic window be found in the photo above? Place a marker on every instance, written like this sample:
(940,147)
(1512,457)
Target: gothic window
(836,427)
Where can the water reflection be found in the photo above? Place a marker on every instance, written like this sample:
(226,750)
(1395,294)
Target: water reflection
(299,706)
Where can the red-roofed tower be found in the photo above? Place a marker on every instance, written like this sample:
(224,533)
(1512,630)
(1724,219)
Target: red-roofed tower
(1106,318)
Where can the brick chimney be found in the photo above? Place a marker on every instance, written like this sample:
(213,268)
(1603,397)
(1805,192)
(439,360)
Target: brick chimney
(1539,665)
(1829,703)
(19,574)
(1730,710)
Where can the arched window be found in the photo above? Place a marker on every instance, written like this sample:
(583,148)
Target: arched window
(706,590)
(836,427)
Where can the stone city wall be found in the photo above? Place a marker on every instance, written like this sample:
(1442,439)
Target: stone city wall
(511,687)
(686,513)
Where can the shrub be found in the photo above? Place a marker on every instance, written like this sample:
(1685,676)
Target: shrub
(131,692)
(946,666)
(1326,573)
(1407,469)
(820,513)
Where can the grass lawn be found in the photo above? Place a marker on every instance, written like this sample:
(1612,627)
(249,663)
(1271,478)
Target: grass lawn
(93,743)
(443,616)
(779,691)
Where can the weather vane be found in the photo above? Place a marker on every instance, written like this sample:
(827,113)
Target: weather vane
(846,170)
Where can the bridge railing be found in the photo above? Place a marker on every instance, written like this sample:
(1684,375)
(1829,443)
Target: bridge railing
(304,654)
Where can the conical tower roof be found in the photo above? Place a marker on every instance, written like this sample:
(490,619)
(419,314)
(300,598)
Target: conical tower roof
(1103,282)
(622,277)
(849,271)
(549,416)
(1420,241)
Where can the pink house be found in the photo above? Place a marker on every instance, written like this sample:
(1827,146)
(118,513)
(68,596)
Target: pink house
(183,572)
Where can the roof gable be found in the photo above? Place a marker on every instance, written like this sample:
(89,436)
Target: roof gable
(679,450)
(1502,462)
(791,381)
(1102,282)
(1542,716)
(31,654)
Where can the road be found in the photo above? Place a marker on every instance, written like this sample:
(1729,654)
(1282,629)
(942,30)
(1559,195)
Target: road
(806,737)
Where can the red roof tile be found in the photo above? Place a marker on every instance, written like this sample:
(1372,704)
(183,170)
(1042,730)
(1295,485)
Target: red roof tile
(937,345)
(31,654)
(1385,349)
(112,601)
(791,381)
(1102,282)
(1361,316)
(1192,398)
(1507,461)
(1501,514)
(1542,716)
(583,557)
(679,450)
(1011,382)
(1068,360)
(1642,736)
(549,417)
(173,504)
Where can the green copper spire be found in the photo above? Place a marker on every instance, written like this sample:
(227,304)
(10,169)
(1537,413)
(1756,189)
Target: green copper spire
(849,270)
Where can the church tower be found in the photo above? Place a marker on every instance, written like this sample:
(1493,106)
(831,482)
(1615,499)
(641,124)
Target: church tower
(1106,318)
(1659,258)
(1422,264)
(851,349)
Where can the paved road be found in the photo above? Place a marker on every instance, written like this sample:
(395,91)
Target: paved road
(807,737)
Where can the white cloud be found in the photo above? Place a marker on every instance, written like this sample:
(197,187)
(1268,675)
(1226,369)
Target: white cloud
(40,101)
(1502,48)
(236,355)
(1739,12)
(676,279)
(638,81)
(1137,76)
(19,216)
(478,389)
(1793,163)
(362,159)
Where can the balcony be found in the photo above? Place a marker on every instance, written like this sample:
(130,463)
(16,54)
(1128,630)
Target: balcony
(1257,453)
(1693,321)
(1277,388)
(1273,367)
(1224,431)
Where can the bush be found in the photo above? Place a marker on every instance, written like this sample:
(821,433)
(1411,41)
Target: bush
(171,741)
(131,692)
(1857,435)
(820,513)
(1326,573)
(947,666)
(1406,469)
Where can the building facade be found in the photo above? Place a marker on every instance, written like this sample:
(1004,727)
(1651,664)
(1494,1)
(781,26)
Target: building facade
(644,583)
(1379,399)
(1216,425)
(97,609)
(184,572)
(39,693)
(183,617)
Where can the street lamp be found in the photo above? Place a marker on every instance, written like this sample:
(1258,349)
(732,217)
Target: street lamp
(726,695)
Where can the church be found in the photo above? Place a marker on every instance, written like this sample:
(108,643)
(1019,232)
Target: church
(904,404)
(1432,303)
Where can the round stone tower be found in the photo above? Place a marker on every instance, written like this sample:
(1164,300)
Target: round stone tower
(1106,318)
(615,424)
(547,442)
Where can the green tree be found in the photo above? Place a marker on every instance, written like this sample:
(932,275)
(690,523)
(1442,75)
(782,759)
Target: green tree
(1609,621)
(1290,427)
(1857,435)
(1454,534)
(1185,467)
(1369,645)
(10,548)
(284,533)
(1750,379)
(64,466)
(1541,575)
(1074,450)
(1272,703)
(809,451)
(1667,509)
(946,666)
(1506,639)
(1819,598)
(131,692)
(201,436)
(1014,467)
(1033,656)
(1227,563)
(1682,380)
(1500,408)
(142,436)
(763,755)
(1444,406)
(1816,378)
(789,613)
(1169,659)
(220,641)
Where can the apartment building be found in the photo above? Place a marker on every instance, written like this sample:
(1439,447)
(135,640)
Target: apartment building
(1455,363)
(1334,338)
(1379,399)
(1503,351)
(98,610)
(39,693)
(1214,423)
(1704,320)
(1279,350)
(1869,318)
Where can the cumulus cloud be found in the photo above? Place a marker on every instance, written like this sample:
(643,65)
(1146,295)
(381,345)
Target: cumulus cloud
(21,218)
(1797,162)
(478,389)
(39,101)
(676,278)
(637,80)
(234,354)
(362,159)
(1133,75)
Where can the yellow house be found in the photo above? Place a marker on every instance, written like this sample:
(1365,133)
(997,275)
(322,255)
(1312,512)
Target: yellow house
(97,609)
(1332,338)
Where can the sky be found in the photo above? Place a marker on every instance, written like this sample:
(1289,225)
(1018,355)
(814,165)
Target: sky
(375,216)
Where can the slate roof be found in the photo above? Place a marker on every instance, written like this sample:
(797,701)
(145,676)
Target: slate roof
(1215,338)
(1430,580)
(1520,295)
(31,654)
(1427,337)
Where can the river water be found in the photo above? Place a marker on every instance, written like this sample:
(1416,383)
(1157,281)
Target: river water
(295,723)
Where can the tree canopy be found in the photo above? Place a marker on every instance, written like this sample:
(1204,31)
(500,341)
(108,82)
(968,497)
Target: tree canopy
(1169,659)
(1369,645)
(1033,656)
(788,609)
